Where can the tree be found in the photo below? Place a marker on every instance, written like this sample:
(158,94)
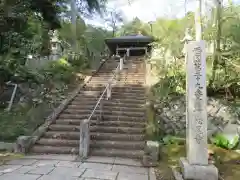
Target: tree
(134,27)
(113,19)
(217,41)
(25,27)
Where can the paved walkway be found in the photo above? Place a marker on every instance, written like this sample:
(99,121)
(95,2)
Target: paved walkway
(64,167)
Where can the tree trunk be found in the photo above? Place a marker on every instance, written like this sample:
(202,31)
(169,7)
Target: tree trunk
(198,20)
(45,51)
(217,49)
(113,32)
(74,21)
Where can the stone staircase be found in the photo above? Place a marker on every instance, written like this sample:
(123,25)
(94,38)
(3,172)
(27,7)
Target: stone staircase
(121,133)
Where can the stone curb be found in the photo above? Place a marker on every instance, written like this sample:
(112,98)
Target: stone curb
(4,146)
(22,146)
(177,175)
(152,175)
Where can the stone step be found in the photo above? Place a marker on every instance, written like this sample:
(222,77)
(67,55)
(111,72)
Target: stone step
(117,137)
(115,99)
(103,81)
(110,103)
(95,136)
(134,154)
(89,93)
(139,93)
(129,105)
(127,93)
(106,117)
(60,127)
(121,97)
(138,145)
(102,74)
(40,149)
(126,101)
(122,79)
(133,145)
(116,88)
(58,142)
(123,83)
(62,135)
(105,112)
(120,124)
(131,81)
(122,130)
(87,98)
(131,74)
(103,123)
(108,106)
(129,90)
(104,129)
(79,102)
(127,96)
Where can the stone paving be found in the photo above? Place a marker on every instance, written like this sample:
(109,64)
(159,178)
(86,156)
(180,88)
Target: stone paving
(65,167)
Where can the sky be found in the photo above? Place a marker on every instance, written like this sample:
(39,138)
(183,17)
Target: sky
(149,10)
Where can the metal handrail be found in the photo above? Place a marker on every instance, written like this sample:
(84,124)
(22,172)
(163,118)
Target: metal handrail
(84,140)
(105,90)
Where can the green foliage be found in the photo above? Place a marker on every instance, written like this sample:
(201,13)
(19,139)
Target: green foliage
(25,27)
(134,27)
(167,140)
(59,71)
(24,122)
(172,80)
(223,141)
(50,83)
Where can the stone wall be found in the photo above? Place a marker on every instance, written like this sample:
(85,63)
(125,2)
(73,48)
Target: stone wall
(172,116)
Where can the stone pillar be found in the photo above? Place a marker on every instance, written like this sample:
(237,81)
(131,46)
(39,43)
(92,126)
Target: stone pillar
(196,165)
(121,64)
(84,139)
(101,110)
(109,91)
(118,74)
(128,52)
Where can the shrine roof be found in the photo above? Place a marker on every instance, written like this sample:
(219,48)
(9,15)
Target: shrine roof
(130,38)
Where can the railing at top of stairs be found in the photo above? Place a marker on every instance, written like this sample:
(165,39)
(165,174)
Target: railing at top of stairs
(84,141)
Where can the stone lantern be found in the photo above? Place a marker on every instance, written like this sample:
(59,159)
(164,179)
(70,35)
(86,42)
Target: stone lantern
(186,39)
(56,47)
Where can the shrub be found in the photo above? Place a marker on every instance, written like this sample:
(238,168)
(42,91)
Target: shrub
(172,80)
(59,71)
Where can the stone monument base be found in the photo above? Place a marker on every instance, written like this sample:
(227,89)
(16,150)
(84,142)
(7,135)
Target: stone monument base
(198,172)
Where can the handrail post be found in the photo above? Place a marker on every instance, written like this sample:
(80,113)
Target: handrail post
(118,74)
(121,64)
(84,138)
(101,110)
(109,91)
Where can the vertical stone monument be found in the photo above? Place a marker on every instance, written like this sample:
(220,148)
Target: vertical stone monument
(196,166)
